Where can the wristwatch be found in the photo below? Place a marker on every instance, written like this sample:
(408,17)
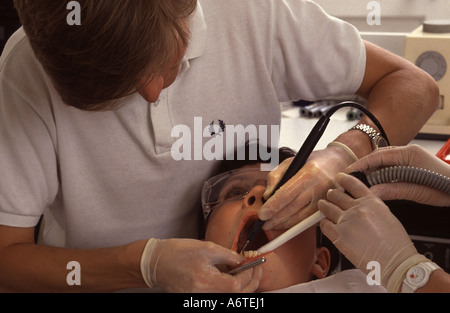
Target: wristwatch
(417,276)
(377,140)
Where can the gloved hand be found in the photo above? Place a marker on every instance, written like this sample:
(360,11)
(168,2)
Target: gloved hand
(414,156)
(362,227)
(297,199)
(187,265)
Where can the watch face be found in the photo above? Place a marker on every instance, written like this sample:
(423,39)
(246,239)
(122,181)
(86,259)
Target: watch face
(381,142)
(416,275)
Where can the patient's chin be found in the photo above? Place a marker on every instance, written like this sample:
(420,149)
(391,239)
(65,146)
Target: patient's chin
(277,275)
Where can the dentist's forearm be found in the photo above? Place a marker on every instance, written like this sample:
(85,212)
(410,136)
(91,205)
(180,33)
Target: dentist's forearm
(26,267)
(400,95)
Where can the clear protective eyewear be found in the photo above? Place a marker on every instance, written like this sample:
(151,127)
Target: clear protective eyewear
(230,186)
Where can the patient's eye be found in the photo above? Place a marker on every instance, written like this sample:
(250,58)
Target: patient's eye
(235,192)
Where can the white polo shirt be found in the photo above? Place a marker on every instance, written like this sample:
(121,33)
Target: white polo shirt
(110,178)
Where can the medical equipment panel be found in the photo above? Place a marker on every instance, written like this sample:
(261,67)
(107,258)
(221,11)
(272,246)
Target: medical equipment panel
(429,48)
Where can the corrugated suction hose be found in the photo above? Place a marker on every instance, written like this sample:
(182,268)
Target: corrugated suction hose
(412,175)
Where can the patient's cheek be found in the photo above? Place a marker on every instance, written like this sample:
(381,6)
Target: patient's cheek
(219,233)
(222,225)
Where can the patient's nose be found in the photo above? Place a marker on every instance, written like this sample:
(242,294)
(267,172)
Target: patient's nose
(254,196)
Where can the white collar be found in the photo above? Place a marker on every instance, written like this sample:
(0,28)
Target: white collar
(198,28)
(197,44)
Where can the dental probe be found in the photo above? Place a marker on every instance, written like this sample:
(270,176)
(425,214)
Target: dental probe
(292,232)
(246,266)
(306,150)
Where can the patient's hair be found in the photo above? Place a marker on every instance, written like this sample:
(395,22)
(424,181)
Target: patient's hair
(284,153)
(235,162)
(118,44)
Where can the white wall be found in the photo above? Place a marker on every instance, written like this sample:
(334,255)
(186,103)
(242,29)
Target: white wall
(431,9)
(398,17)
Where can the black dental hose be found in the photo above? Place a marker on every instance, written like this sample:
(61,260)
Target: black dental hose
(306,150)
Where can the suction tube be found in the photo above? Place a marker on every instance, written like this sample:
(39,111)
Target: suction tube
(412,175)
(308,147)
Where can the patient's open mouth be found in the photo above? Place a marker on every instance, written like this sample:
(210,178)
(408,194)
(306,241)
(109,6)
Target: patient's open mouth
(242,234)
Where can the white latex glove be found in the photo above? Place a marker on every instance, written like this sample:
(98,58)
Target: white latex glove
(364,230)
(187,265)
(414,156)
(297,199)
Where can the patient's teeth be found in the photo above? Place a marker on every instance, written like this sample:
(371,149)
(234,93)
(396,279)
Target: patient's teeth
(250,254)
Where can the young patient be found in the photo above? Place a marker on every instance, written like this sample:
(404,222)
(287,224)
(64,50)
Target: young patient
(231,202)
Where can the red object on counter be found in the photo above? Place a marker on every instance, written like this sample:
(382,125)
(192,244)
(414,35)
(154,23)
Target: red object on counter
(444,153)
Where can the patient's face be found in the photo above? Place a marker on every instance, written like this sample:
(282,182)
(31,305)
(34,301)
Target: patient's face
(297,261)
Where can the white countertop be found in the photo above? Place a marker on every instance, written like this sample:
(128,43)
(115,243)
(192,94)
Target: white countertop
(295,129)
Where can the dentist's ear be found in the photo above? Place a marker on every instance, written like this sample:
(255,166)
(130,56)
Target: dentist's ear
(321,265)
(152,89)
